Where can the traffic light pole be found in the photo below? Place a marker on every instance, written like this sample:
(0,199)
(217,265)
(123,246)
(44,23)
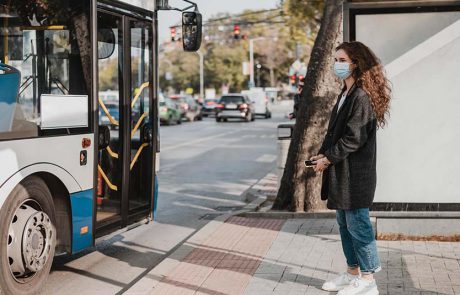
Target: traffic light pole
(201,73)
(251,63)
(251,59)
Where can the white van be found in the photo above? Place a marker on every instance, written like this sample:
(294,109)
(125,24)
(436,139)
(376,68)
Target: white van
(260,101)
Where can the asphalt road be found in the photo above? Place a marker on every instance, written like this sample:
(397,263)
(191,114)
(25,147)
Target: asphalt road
(205,168)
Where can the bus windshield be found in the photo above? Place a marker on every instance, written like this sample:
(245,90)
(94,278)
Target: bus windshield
(50,50)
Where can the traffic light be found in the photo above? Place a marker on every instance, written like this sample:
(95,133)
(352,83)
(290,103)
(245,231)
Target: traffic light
(173,34)
(236,32)
(293,79)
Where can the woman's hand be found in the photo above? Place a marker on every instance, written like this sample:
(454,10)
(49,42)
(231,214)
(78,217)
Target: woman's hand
(321,164)
(316,158)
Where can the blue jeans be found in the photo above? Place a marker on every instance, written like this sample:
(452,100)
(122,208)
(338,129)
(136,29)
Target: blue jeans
(358,241)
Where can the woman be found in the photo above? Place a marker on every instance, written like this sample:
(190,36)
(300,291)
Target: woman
(347,159)
(297,98)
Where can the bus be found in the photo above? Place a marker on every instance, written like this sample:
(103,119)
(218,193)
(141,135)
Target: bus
(79,127)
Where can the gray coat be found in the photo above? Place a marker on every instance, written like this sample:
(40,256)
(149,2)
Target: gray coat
(350,145)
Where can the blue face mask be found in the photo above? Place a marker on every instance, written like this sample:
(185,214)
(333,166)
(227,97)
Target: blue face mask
(342,70)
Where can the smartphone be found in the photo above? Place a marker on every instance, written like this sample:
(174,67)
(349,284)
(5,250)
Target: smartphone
(310,164)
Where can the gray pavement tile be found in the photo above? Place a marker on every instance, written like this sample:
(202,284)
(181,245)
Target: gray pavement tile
(308,254)
(428,288)
(271,269)
(442,278)
(445,290)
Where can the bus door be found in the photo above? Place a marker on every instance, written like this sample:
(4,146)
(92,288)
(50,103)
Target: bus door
(125,167)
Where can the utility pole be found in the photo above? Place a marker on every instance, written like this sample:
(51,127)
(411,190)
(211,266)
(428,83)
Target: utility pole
(251,59)
(251,63)
(200,54)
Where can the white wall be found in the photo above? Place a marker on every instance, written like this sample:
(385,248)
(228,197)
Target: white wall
(418,158)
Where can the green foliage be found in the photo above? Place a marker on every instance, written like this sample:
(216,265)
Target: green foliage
(304,18)
(279,33)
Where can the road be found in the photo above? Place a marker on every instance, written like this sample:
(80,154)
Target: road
(205,168)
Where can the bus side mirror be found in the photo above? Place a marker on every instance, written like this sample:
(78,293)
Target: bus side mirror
(192,26)
(106,43)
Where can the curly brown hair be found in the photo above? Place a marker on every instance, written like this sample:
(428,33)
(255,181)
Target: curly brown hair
(370,76)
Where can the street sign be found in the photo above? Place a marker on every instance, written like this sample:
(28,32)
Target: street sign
(297,65)
(246,69)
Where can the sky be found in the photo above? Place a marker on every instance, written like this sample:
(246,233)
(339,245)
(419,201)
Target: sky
(209,8)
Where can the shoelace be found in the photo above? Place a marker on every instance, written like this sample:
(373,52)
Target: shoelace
(355,282)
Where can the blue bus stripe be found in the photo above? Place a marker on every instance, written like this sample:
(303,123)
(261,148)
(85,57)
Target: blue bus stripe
(82,216)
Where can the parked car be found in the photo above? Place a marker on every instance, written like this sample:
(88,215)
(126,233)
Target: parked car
(261,102)
(189,108)
(169,112)
(235,106)
(209,107)
(114,111)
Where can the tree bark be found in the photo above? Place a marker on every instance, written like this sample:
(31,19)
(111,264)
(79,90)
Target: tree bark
(300,187)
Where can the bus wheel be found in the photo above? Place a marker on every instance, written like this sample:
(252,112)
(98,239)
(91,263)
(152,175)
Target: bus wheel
(28,238)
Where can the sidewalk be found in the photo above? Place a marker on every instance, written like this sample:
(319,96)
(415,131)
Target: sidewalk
(243,255)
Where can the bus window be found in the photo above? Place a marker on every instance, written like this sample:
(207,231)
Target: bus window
(141,152)
(110,160)
(50,52)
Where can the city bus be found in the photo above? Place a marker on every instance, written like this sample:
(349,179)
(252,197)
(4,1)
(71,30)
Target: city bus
(79,127)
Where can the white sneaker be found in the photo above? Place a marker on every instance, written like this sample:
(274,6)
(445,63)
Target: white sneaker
(339,282)
(360,286)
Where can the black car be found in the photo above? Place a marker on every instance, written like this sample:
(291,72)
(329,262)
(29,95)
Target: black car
(237,106)
(209,107)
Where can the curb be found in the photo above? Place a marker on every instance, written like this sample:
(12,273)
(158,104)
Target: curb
(151,279)
(289,215)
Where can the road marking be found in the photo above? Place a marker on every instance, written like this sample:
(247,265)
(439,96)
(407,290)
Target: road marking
(266,158)
(196,141)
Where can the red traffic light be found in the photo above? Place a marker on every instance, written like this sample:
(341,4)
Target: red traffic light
(236,31)
(173,34)
(293,79)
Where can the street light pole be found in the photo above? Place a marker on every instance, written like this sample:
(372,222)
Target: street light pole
(201,73)
(251,59)
(251,63)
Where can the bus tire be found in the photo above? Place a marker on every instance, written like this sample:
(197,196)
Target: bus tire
(29,201)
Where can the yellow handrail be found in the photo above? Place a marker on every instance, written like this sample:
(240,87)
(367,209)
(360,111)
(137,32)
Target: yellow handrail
(112,153)
(106,111)
(137,155)
(138,124)
(143,86)
(5,39)
(43,28)
(107,181)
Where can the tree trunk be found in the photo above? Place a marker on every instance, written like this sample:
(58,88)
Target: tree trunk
(300,186)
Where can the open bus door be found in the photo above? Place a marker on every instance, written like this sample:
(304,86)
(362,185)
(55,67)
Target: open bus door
(125,167)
